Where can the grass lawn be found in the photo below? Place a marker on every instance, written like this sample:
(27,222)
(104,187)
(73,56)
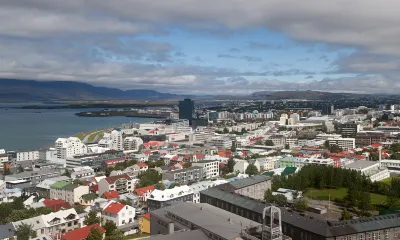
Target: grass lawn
(323,194)
(134,236)
(93,136)
(82,135)
(388,180)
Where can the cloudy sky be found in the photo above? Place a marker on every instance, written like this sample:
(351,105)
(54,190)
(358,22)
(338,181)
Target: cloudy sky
(205,47)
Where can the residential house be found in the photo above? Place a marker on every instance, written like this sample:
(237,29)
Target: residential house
(184,176)
(81,233)
(88,199)
(83,173)
(159,199)
(121,183)
(43,188)
(119,213)
(68,192)
(55,205)
(141,167)
(112,195)
(144,223)
(7,231)
(144,192)
(34,176)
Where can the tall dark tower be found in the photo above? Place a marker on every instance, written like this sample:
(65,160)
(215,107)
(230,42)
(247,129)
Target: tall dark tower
(186,110)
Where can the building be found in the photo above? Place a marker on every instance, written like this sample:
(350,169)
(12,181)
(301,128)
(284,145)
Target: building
(119,213)
(349,130)
(54,224)
(83,173)
(391,165)
(241,166)
(142,167)
(81,233)
(121,183)
(214,223)
(34,176)
(28,155)
(69,147)
(186,110)
(370,169)
(93,160)
(113,140)
(221,142)
(288,193)
(132,143)
(252,187)
(343,143)
(283,120)
(210,168)
(184,176)
(68,192)
(369,138)
(144,223)
(159,199)
(43,188)
(144,192)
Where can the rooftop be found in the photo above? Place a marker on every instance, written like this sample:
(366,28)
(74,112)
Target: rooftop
(114,208)
(81,233)
(361,164)
(195,234)
(241,183)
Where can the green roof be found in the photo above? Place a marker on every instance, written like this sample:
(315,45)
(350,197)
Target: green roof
(70,186)
(288,171)
(89,196)
(60,184)
(268,174)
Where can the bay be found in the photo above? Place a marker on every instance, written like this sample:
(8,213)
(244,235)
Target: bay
(28,129)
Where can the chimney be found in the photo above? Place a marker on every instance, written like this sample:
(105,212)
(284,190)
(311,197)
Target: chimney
(171,228)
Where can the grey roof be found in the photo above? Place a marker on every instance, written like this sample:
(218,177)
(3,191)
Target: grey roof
(210,218)
(360,164)
(32,173)
(7,231)
(185,169)
(241,183)
(195,235)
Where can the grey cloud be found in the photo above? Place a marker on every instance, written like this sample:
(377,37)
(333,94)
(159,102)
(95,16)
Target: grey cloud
(234,50)
(246,58)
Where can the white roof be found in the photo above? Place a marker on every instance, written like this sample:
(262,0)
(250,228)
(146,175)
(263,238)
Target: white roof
(168,194)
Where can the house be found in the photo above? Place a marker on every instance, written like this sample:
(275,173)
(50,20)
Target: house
(142,167)
(159,199)
(184,176)
(121,183)
(144,223)
(67,191)
(82,173)
(88,199)
(144,192)
(43,188)
(53,224)
(288,193)
(7,231)
(113,195)
(56,205)
(119,213)
(81,233)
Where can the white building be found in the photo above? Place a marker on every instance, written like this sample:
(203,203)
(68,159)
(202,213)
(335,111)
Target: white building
(29,155)
(3,158)
(132,143)
(344,143)
(391,165)
(221,142)
(283,119)
(119,213)
(203,185)
(67,191)
(210,168)
(241,166)
(370,169)
(294,119)
(113,140)
(85,173)
(288,193)
(69,147)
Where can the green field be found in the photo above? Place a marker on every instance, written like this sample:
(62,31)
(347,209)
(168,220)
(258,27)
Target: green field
(82,135)
(388,180)
(134,236)
(340,193)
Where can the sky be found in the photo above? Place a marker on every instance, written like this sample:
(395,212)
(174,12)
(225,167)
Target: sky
(216,47)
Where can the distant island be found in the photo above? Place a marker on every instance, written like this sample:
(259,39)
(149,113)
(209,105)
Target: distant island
(106,113)
(102,105)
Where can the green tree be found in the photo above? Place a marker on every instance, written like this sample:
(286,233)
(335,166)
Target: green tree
(160,163)
(333,148)
(108,171)
(364,202)
(233,147)
(79,209)
(251,170)
(91,218)
(225,131)
(20,169)
(280,200)
(326,145)
(259,142)
(230,165)
(187,165)
(7,171)
(110,227)
(115,235)
(287,146)
(25,232)
(301,205)
(268,197)
(391,201)
(67,173)
(159,186)
(345,215)
(269,142)
(148,178)
(95,234)
(243,131)
(173,185)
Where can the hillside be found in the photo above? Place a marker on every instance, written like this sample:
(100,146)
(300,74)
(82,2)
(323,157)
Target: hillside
(28,90)
(307,95)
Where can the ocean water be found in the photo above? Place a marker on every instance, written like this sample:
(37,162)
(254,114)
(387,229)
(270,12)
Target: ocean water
(28,129)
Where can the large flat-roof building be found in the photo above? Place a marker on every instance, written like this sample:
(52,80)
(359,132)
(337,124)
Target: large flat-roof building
(370,169)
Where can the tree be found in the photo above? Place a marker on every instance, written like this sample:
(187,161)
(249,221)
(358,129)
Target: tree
(259,142)
(391,201)
(174,184)
(280,200)
(345,215)
(326,145)
(251,170)
(159,186)
(301,205)
(91,218)
(268,197)
(333,148)
(109,170)
(115,235)
(287,146)
(95,234)
(20,169)
(187,165)
(79,209)
(364,203)
(243,131)
(230,165)
(7,171)
(25,232)
(149,178)
(67,173)
(225,131)
(233,147)
(110,227)
(160,163)
(269,142)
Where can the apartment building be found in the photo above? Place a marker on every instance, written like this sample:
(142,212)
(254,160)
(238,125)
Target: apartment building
(343,143)
(369,138)
(121,183)
(221,142)
(28,155)
(252,187)
(34,176)
(3,159)
(113,140)
(132,143)
(159,199)
(210,168)
(67,191)
(54,224)
(94,160)
(349,130)
(278,140)
(83,173)
(119,213)
(69,147)
(184,176)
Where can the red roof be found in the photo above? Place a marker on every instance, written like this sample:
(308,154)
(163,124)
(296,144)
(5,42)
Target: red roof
(174,158)
(200,156)
(56,205)
(112,179)
(359,156)
(142,165)
(114,207)
(141,191)
(111,195)
(114,161)
(146,215)
(81,233)
(376,145)
(147,152)
(181,163)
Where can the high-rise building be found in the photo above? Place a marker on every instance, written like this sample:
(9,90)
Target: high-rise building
(332,109)
(186,109)
(113,140)
(69,147)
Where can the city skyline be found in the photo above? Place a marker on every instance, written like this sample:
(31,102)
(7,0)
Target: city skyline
(220,47)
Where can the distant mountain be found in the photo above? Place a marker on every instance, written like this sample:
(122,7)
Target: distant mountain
(307,95)
(28,90)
